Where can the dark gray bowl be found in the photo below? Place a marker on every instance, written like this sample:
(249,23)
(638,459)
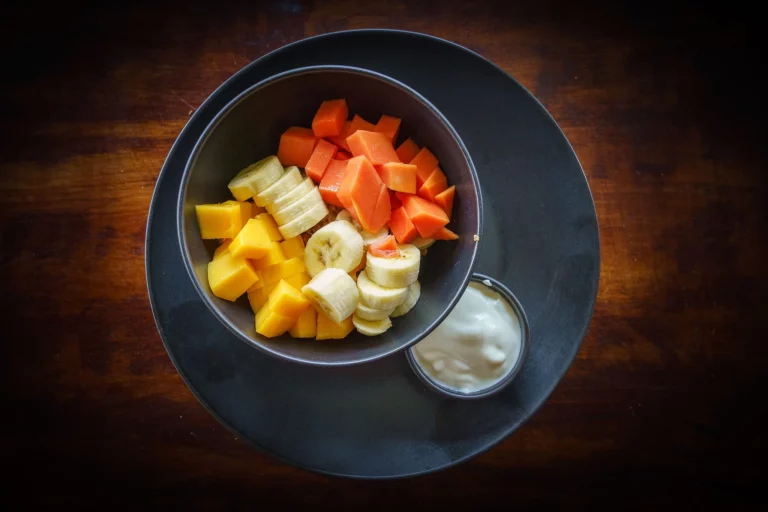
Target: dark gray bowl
(525,336)
(249,128)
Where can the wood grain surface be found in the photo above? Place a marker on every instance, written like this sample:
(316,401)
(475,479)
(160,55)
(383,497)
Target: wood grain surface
(661,406)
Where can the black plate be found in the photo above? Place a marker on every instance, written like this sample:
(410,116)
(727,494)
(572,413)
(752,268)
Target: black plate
(378,420)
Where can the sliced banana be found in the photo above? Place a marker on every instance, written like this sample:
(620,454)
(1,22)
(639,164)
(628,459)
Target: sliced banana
(255,178)
(368,238)
(335,245)
(397,272)
(371,327)
(304,222)
(423,243)
(369,313)
(297,208)
(414,292)
(378,297)
(294,195)
(334,293)
(282,186)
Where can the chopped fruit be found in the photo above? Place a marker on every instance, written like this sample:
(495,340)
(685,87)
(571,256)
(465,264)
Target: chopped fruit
(407,151)
(436,183)
(445,200)
(364,186)
(293,247)
(389,126)
(445,234)
(252,242)
(257,210)
(219,220)
(358,123)
(381,213)
(306,325)
(284,270)
(291,197)
(287,300)
(222,248)
(298,281)
(296,145)
(394,201)
(343,155)
(329,185)
(271,226)
(230,277)
(341,139)
(274,256)
(271,324)
(426,163)
(399,177)
(246,209)
(427,217)
(257,298)
(327,329)
(375,146)
(321,157)
(330,118)
(402,227)
(384,248)
(255,178)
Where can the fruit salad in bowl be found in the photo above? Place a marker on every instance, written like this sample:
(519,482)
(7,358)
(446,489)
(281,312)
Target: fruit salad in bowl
(328,235)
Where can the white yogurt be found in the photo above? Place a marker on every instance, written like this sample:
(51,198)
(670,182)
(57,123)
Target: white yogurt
(476,346)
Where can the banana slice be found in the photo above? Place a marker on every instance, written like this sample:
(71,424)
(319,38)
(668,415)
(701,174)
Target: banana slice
(414,292)
(255,178)
(371,327)
(423,243)
(334,293)
(378,297)
(369,313)
(294,195)
(282,186)
(368,238)
(335,245)
(397,272)
(297,208)
(304,222)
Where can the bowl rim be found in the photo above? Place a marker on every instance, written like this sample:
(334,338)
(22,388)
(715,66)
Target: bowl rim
(525,342)
(206,134)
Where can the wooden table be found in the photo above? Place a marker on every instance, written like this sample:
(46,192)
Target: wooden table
(660,405)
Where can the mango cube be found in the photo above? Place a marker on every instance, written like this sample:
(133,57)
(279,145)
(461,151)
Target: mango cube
(327,329)
(298,281)
(246,209)
(271,225)
(257,299)
(229,277)
(287,268)
(219,220)
(252,241)
(287,300)
(293,247)
(271,324)
(273,257)
(306,325)
(222,248)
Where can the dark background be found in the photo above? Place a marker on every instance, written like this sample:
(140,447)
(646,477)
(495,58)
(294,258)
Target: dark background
(663,104)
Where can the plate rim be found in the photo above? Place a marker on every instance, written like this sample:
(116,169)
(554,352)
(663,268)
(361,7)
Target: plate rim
(263,449)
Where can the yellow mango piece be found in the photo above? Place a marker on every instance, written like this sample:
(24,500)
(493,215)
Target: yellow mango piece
(257,299)
(287,300)
(222,248)
(298,281)
(283,270)
(230,277)
(306,325)
(246,209)
(252,241)
(274,256)
(328,330)
(271,324)
(257,210)
(218,220)
(271,225)
(293,247)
